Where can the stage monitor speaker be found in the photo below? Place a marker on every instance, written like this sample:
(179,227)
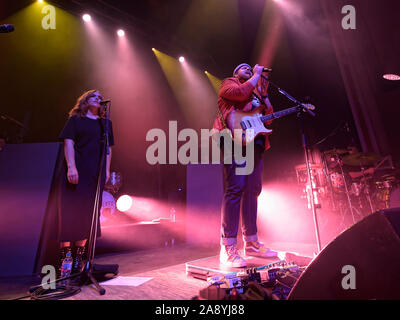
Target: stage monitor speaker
(362,263)
(26,174)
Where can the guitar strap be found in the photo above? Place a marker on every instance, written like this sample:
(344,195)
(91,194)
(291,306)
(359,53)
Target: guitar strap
(259,99)
(221,118)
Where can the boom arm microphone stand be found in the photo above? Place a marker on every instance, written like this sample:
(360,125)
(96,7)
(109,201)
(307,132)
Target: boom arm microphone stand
(302,107)
(90,268)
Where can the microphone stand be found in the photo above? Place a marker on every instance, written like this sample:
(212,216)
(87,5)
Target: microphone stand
(90,268)
(302,107)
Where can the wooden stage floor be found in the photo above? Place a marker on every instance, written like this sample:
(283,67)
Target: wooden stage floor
(163,268)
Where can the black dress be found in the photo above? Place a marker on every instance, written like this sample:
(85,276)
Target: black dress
(76,201)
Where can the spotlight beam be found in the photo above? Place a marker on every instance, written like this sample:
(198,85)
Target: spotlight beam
(86,17)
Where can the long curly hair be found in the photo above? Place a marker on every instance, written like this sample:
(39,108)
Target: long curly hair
(81,106)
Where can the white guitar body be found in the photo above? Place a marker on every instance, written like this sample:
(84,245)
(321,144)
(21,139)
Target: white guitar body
(254,128)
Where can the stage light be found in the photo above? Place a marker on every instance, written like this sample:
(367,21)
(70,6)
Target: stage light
(120,33)
(153,49)
(392,77)
(181,59)
(124,203)
(86,17)
(40,1)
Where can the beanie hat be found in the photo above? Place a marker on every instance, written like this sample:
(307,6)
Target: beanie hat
(238,67)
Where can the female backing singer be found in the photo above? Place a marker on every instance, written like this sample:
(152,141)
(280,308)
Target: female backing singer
(83,137)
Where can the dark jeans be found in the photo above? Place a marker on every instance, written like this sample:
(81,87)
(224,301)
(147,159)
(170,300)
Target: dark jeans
(240,194)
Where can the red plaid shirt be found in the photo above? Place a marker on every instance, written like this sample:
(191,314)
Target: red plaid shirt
(237,94)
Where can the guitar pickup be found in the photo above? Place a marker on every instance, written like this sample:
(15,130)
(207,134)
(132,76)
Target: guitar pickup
(243,125)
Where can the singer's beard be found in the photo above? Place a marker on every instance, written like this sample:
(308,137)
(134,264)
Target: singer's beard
(245,77)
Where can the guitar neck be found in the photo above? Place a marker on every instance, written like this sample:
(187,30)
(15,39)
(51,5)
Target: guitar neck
(279,114)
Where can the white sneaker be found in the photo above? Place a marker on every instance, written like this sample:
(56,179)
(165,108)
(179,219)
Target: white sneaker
(229,257)
(257,249)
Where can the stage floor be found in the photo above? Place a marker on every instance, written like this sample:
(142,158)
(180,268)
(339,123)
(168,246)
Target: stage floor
(151,274)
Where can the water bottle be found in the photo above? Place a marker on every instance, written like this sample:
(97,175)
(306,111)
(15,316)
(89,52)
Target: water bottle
(66,268)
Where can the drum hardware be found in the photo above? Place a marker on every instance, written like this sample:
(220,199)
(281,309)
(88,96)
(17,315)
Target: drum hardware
(366,188)
(386,191)
(361,159)
(335,151)
(351,199)
(316,182)
(346,189)
(389,166)
(355,198)
(330,157)
(337,181)
(329,183)
(356,188)
(386,183)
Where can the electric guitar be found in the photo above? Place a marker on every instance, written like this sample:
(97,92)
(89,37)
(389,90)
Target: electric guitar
(246,126)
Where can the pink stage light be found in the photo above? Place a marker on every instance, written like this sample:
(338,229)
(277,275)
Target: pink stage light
(120,33)
(124,203)
(181,59)
(86,17)
(392,77)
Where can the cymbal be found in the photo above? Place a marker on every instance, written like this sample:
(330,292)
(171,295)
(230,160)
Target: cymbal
(312,166)
(383,173)
(361,159)
(336,151)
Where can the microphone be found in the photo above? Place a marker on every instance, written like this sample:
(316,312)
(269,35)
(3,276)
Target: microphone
(105,101)
(6,28)
(264,70)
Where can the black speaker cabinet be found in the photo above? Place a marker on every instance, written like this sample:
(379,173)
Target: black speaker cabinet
(362,263)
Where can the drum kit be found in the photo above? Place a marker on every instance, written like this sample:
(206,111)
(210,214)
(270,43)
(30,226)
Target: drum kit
(352,183)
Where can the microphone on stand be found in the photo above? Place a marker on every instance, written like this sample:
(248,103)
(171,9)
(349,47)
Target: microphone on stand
(264,70)
(105,101)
